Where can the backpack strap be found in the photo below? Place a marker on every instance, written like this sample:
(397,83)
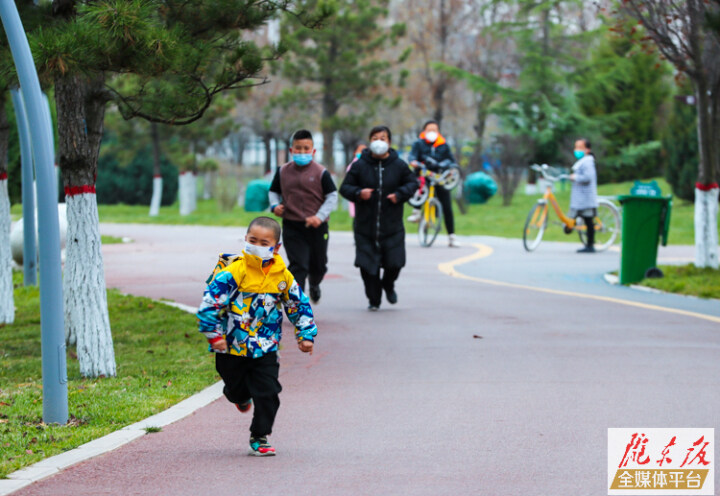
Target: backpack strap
(224,259)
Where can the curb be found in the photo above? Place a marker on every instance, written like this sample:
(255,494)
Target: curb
(50,466)
(615,281)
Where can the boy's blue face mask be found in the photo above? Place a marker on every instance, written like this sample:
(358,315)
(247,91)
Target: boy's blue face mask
(579,154)
(302,159)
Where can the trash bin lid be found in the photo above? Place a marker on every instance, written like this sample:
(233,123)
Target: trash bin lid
(642,198)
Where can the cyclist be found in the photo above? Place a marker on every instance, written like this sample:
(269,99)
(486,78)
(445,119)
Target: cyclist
(583,196)
(432,144)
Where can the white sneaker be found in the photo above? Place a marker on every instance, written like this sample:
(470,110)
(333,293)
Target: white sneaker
(453,242)
(415,217)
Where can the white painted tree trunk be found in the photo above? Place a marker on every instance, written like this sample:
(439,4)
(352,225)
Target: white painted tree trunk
(208,185)
(192,194)
(87,324)
(182,194)
(7,303)
(156,196)
(186,185)
(706,232)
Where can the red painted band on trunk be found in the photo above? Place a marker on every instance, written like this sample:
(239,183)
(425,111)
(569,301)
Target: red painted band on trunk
(706,187)
(158,176)
(79,190)
(3,176)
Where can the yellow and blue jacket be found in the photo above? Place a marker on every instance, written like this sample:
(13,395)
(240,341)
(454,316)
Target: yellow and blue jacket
(243,304)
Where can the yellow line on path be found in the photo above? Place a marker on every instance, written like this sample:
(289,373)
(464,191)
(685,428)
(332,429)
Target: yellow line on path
(449,268)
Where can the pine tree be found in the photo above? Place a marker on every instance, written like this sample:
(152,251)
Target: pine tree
(622,89)
(163,61)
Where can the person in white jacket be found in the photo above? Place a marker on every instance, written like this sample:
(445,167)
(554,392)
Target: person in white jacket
(583,196)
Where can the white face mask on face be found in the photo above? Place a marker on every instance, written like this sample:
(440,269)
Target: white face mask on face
(379,147)
(431,136)
(264,252)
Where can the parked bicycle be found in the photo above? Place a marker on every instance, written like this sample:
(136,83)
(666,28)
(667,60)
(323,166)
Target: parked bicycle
(607,220)
(424,198)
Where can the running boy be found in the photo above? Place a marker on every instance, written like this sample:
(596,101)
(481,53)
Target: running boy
(251,290)
(304,195)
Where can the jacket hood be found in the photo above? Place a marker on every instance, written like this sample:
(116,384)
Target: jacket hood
(368,157)
(439,141)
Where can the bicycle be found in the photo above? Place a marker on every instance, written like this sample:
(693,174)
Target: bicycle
(606,221)
(424,199)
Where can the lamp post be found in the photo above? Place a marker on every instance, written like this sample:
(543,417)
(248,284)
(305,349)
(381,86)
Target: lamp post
(28,191)
(54,361)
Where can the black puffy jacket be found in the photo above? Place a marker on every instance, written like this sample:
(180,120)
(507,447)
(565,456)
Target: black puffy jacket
(378,227)
(421,149)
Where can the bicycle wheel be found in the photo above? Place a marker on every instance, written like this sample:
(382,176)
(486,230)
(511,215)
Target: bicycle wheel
(607,226)
(429,228)
(451,178)
(535,226)
(418,199)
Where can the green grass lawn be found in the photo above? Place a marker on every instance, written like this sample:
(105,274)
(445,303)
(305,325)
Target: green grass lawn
(161,359)
(490,219)
(687,280)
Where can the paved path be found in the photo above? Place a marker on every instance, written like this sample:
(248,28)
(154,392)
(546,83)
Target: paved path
(463,387)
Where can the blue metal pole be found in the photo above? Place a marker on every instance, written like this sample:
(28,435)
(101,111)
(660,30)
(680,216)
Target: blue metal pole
(28,192)
(54,361)
(51,142)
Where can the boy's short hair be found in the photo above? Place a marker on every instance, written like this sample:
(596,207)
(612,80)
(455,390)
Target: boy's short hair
(267,223)
(431,121)
(301,134)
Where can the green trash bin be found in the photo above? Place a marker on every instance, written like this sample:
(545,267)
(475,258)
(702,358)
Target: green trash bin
(646,220)
(256,195)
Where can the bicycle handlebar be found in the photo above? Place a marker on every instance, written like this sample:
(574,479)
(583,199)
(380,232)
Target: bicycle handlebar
(547,172)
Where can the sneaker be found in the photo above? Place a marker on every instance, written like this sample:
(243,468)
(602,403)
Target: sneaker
(244,407)
(587,249)
(453,242)
(259,446)
(315,294)
(391,297)
(415,217)
(373,308)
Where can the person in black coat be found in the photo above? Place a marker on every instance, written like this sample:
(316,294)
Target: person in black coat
(432,144)
(379,182)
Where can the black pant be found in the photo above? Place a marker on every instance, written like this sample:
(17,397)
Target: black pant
(445,198)
(252,378)
(306,248)
(374,285)
(590,230)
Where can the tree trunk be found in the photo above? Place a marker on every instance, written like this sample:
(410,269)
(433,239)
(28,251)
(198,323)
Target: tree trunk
(157,172)
(330,108)
(266,138)
(208,184)
(706,191)
(7,303)
(156,196)
(281,152)
(80,112)
(185,192)
(479,127)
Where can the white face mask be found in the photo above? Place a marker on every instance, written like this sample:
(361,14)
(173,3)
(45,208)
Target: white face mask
(379,147)
(431,136)
(264,252)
